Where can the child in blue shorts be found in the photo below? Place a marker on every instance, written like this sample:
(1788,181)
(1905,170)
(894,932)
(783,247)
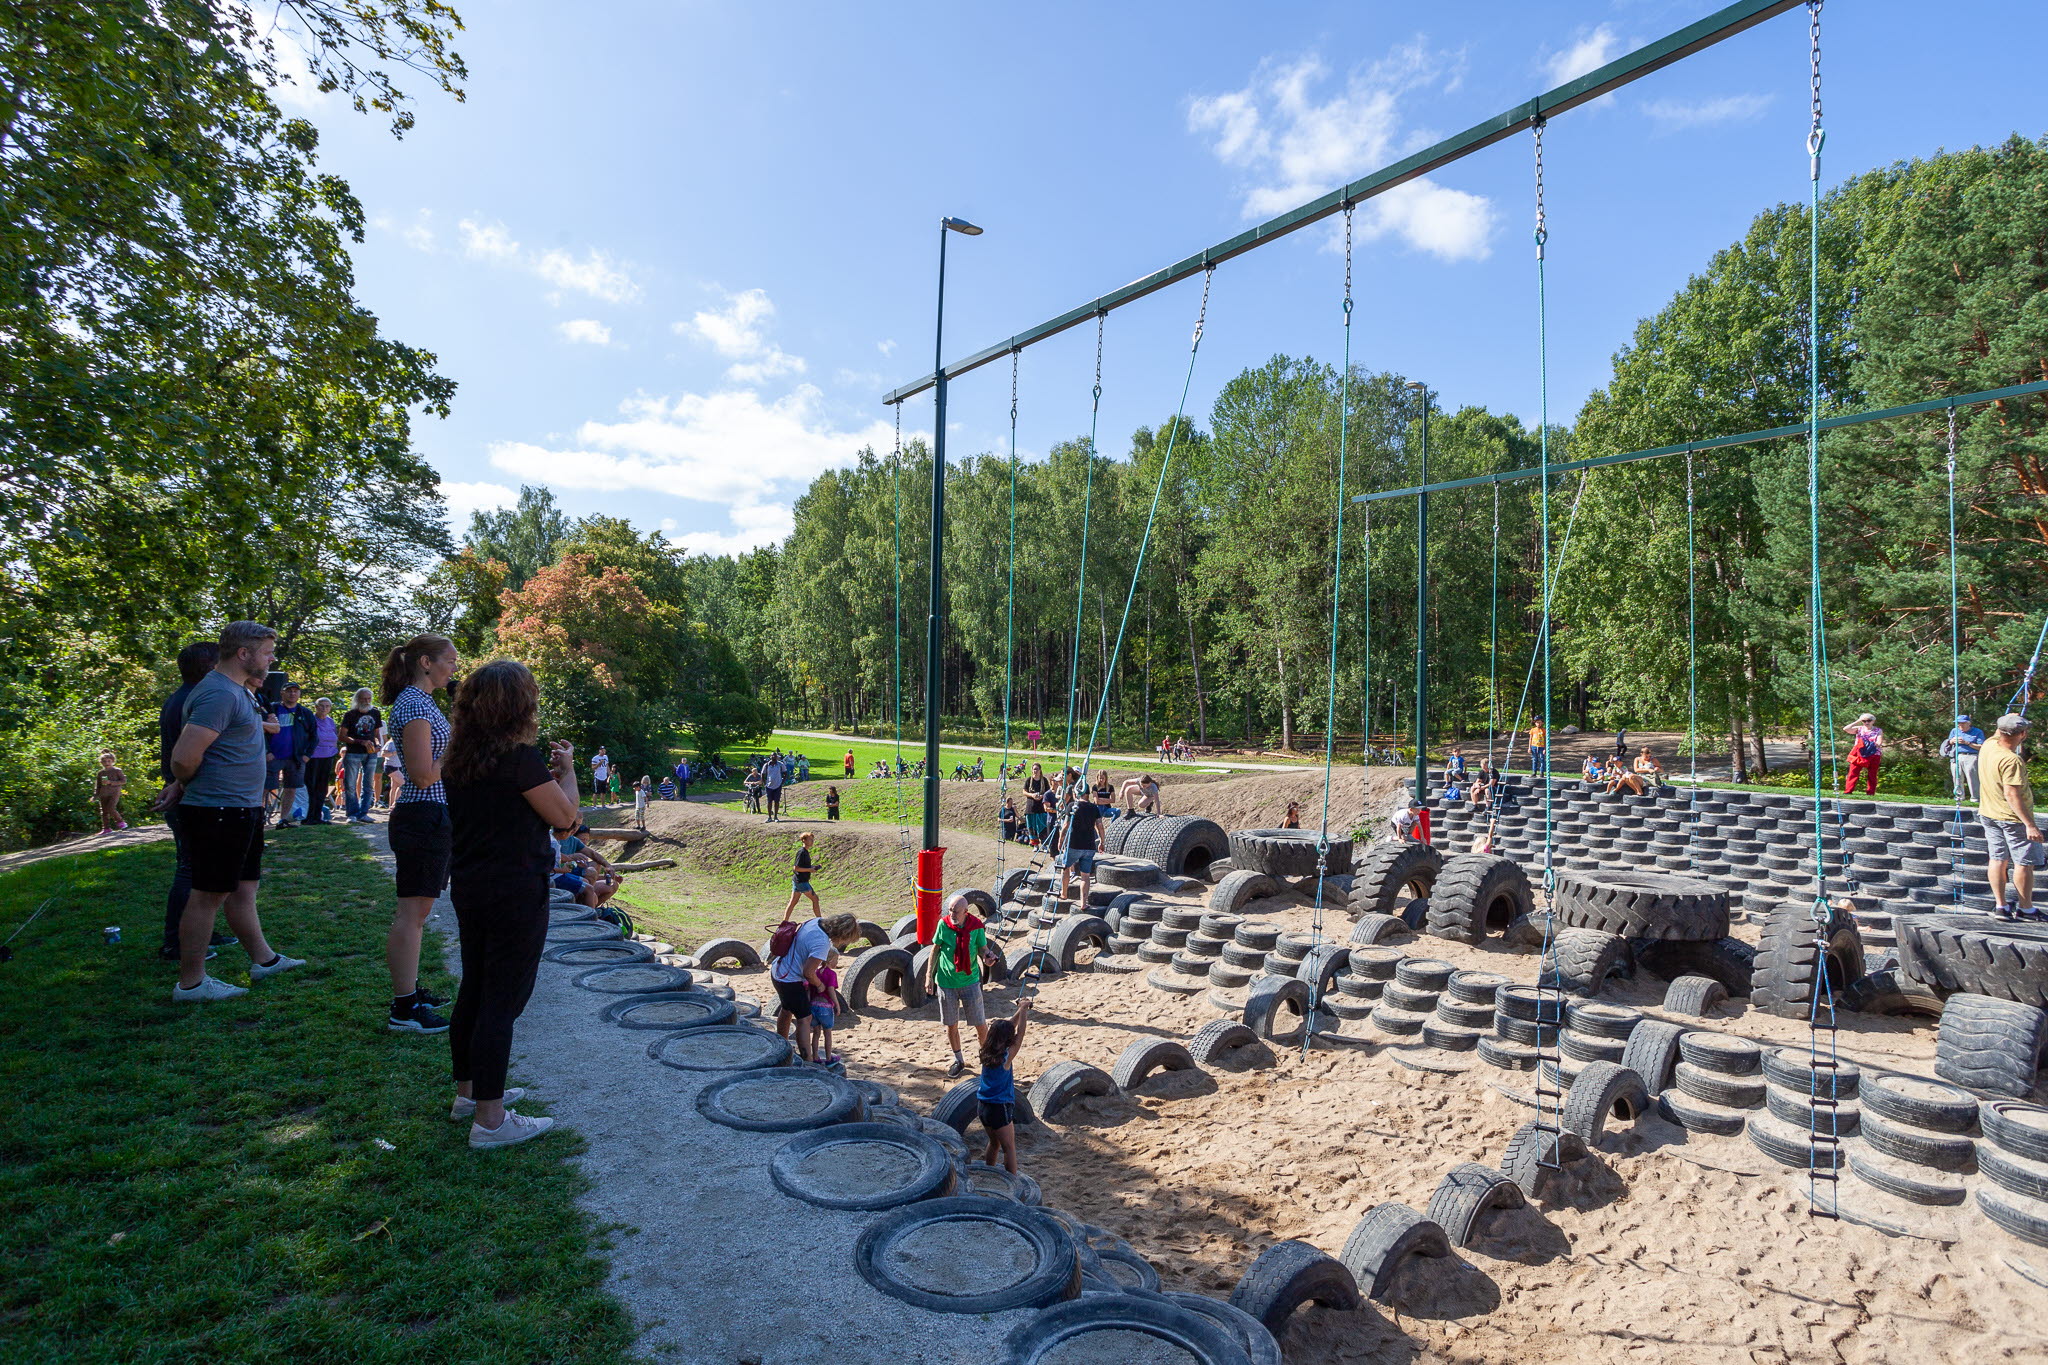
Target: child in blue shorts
(996,1093)
(824,1015)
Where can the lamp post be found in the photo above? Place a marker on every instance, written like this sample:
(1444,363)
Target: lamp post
(934,622)
(1422,609)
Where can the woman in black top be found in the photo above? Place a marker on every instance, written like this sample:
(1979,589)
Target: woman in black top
(503,798)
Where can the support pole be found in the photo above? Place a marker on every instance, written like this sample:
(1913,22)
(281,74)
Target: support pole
(934,619)
(1422,613)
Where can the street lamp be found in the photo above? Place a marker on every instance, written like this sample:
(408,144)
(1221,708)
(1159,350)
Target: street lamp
(930,877)
(1422,608)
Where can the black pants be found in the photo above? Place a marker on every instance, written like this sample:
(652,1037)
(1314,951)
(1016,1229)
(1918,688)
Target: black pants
(319,788)
(503,930)
(181,879)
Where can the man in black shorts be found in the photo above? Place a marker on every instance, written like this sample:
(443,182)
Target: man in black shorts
(1079,842)
(217,767)
(195,661)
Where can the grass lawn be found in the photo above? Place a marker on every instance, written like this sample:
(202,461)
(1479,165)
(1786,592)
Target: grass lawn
(271,1178)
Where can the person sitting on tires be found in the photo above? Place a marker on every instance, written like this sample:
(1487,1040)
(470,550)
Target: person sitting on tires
(996,1093)
(1292,819)
(1650,770)
(953,972)
(1079,841)
(1619,777)
(1591,771)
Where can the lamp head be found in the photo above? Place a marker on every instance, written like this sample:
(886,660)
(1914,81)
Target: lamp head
(1418,385)
(961,226)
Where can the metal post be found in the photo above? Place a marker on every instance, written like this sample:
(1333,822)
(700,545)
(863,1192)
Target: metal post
(1422,612)
(933,679)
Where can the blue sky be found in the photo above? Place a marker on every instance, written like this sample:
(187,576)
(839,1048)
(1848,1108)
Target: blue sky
(674,252)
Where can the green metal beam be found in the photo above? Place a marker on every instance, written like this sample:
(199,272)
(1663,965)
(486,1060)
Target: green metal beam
(1847,419)
(1722,24)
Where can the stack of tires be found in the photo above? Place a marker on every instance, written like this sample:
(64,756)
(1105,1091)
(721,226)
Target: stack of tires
(1994,1023)
(1608,921)
(2014,1160)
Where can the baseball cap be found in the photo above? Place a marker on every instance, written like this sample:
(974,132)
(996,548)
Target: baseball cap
(1963,719)
(2013,720)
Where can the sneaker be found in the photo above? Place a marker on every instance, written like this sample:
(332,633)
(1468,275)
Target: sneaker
(2030,913)
(465,1106)
(207,989)
(427,997)
(959,1068)
(220,940)
(516,1128)
(419,1019)
(257,970)
(2004,912)
(122,825)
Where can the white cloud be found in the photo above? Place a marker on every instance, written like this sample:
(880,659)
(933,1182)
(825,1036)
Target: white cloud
(465,498)
(595,273)
(1675,115)
(738,331)
(887,348)
(1294,146)
(728,448)
(585,331)
(1589,51)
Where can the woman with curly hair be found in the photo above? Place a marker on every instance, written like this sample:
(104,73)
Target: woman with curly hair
(503,798)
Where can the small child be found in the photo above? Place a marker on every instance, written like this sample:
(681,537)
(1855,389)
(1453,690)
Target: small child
(107,786)
(823,1015)
(832,802)
(641,790)
(996,1093)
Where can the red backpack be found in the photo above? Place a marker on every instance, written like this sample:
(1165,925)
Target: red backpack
(782,939)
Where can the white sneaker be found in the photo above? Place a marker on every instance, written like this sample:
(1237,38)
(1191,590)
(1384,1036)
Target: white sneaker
(465,1106)
(207,989)
(515,1129)
(257,971)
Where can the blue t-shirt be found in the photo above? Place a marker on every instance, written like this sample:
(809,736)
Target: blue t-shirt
(811,941)
(412,705)
(1955,748)
(281,742)
(231,771)
(997,1086)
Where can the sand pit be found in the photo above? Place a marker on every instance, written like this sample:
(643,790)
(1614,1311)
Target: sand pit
(1662,1246)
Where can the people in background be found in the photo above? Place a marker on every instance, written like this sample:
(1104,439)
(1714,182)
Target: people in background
(290,745)
(1292,818)
(849,765)
(1405,822)
(362,732)
(1104,795)
(1591,771)
(1964,743)
(1620,778)
(1866,752)
(419,830)
(1036,821)
(642,791)
(831,803)
(1454,763)
(773,778)
(2005,810)
(320,761)
(500,800)
(600,772)
(1649,769)
(106,790)
(389,772)
(1482,792)
(217,774)
(1078,844)
(1621,743)
(1539,748)
(801,868)
(195,661)
(1006,817)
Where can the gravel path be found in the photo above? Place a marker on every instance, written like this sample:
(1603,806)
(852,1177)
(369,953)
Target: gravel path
(717,1266)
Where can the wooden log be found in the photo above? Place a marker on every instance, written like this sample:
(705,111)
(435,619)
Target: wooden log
(624,832)
(649,865)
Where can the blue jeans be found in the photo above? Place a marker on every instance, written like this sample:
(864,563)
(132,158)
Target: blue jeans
(355,785)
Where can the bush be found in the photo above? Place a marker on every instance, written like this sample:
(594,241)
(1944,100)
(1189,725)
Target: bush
(47,767)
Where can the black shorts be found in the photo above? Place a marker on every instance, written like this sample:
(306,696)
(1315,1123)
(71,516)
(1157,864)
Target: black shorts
(795,997)
(421,841)
(995,1117)
(223,844)
(774,796)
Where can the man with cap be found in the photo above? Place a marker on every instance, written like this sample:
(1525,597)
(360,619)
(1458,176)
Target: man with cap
(1961,748)
(1866,752)
(2006,811)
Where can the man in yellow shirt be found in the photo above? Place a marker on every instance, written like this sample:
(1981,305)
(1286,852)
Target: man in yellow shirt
(2005,810)
(1539,748)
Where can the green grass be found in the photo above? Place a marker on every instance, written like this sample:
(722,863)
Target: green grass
(267,1179)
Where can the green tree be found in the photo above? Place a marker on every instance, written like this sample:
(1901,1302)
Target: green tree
(525,537)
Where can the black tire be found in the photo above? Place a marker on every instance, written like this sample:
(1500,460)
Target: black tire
(1292,948)
(1526,932)
(1532,1003)
(1376,964)
(1052,1274)
(2016,1174)
(1388,877)
(958,1107)
(1920,1103)
(1007,883)
(1729,961)
(1189,964)
(1794,1069)
(1939,1151)
(1526,1032)
(1321,968)
(1791,953)
(1277,1008)
(902,926)
(600,954)
(1219,1039)
(1580,1048)
(669,1011)
(1130,1270)
(1286,852)
(1289,1274)
(1449,1037)
(1467,1191)
(840,1101)
(1715,1087)
(1239,889)
(1535,1152)
(1237,955)
(1694,995)
(1476,987)
(634,978)
(888,970)
(1603,1091)
(1889,991)
(2021,1129)
(1123,872)
(1076,935)
(1991,1044)
(1248,1331)
(1903,1179)
(2025,1220)
(738,951)
(1400,997)
(1584,959)
(1262,935)
(1424,973)
(1146,1056)
(1646,905)
(1507,1055)
(1372,928)
(1593,1019)
(1463,1013)
(2006,961)
(1221,926)
(1802,1110)
(1182,845)
(1063,1082)
(1790,1145)
(1477,894)
(1382,1239)
(1721,1052)
(1065,1328)
(727,1047)
(1700,1116)
(1652,1053)
(1040,963)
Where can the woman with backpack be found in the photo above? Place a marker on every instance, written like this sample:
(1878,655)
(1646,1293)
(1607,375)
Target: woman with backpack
(796,953)
(1866,752)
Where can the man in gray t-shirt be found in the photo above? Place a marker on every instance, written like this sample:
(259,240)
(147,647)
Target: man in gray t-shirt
(217,765)
(773,776)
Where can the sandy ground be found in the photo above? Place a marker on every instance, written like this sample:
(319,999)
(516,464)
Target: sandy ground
(1665,1247)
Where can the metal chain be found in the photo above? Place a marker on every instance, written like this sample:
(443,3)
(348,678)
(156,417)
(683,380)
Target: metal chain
(1542,226)
(1013,386)
(1100,320)
(1347,264)
(1815,135)
(1202,318)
